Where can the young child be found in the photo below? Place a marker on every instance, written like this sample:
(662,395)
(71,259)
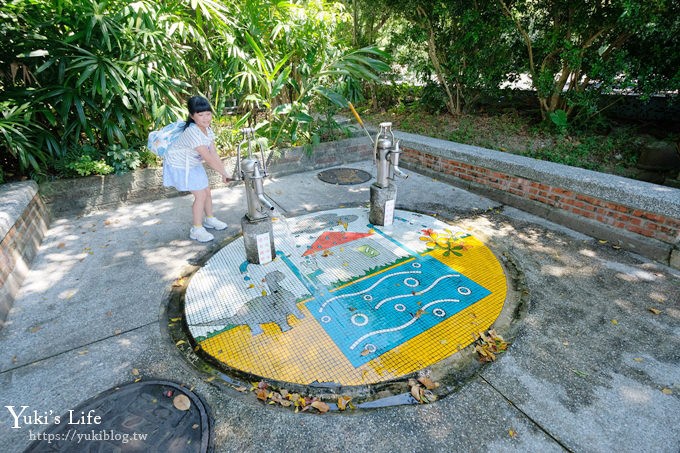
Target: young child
(183,167)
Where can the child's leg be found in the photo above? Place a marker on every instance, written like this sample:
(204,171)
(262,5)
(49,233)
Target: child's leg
(199,206)
(208,207)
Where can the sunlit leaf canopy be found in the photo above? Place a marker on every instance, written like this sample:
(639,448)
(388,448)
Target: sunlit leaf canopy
(86,80)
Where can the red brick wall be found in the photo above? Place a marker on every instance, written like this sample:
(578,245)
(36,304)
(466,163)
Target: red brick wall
(616,215)
(21,243)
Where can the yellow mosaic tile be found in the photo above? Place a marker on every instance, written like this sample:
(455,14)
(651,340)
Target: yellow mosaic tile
(308,352)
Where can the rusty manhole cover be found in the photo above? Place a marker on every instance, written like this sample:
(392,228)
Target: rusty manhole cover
(141,416)
(344,176)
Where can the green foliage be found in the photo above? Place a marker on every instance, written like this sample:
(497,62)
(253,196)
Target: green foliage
(123,160)
(433,98)
(576,50)
(15,138)
(461,44)
(84,73)
(559,119)
(104,74)
(85,165)
(615,152)
(147,158)
(464,133)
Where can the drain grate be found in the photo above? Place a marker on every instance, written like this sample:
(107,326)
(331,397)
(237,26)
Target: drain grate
(140,416)
(344,176)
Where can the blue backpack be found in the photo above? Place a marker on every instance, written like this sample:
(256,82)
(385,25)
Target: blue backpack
(160,141)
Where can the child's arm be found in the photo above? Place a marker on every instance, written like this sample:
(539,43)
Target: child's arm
(209,154)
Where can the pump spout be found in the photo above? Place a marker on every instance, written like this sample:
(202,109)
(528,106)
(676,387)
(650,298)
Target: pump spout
(397,172)
(394,161)
(264,202)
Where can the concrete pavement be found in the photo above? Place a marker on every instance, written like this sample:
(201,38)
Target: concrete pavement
(591,367)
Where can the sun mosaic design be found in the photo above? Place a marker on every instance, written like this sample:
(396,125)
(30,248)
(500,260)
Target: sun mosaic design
(346,301)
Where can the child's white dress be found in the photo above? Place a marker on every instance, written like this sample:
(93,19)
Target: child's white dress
(182,165)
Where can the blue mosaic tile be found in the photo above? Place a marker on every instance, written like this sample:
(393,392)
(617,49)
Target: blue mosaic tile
(382,311)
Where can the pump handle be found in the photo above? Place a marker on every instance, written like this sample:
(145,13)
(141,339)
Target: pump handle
(356,114)
(361,123)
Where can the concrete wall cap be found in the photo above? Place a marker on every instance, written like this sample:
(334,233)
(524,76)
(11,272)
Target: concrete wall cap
(14,199)
(637,194)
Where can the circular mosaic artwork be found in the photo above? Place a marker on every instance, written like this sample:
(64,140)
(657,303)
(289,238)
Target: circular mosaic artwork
(344,301)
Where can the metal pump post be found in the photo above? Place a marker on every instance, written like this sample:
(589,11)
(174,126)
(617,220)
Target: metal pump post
(386,156)
(383,193)
(258,233)
(252,173)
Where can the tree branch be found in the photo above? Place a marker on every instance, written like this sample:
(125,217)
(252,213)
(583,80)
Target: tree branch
(432,52)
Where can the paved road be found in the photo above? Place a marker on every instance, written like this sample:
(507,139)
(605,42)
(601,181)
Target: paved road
(591,368)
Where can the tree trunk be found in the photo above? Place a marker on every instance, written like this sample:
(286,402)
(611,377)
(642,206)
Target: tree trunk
(441,77)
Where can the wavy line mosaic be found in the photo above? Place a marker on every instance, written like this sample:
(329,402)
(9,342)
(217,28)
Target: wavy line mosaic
(346,302)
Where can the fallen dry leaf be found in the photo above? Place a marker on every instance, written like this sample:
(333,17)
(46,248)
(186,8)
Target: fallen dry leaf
(343,401)
(135,372)
(666,391)
(276,397)
(262,394)
(181,402)
(489,344)
(428,383)
(656,311)
(321,406)
(415,392)
(512,433)
(428,397)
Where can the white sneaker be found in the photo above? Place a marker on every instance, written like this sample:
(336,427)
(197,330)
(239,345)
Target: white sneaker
(212,222)
(200,234)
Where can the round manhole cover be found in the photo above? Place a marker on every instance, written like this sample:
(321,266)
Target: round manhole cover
(344,176)
(137,417)
(346,302)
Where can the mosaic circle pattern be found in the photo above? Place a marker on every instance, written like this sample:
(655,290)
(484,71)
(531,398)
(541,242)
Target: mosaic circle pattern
(346,302)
